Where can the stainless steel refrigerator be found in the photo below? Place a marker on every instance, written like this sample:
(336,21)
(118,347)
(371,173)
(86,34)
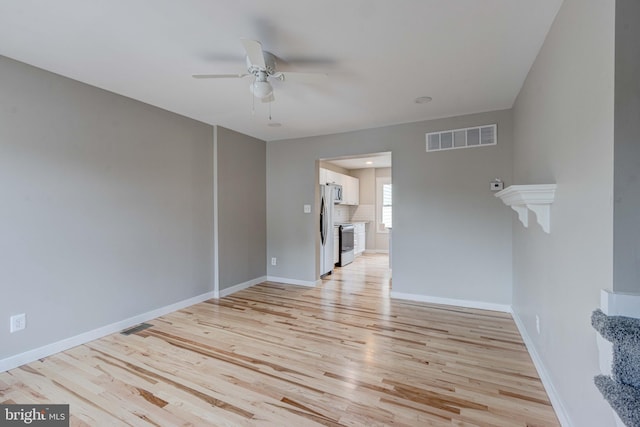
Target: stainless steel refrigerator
(327,201)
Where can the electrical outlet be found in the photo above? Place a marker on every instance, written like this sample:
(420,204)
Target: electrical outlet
(17,322)
(274,261)
(306,208)
(538,324)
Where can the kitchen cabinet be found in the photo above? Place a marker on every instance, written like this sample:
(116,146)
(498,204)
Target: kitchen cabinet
(356,191)
(336,245)
(353,185)
(332,177)
(323,176)
(359,237)
(350,190)
(350,185)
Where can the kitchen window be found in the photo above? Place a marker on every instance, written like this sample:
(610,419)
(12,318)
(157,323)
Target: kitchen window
(384,202)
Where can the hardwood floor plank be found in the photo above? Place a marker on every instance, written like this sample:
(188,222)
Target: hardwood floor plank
(340,354)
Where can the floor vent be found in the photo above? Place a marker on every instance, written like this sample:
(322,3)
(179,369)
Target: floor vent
(479,136)
(136,329)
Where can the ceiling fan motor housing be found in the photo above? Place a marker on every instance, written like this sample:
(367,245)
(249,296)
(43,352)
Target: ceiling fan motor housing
(270,65)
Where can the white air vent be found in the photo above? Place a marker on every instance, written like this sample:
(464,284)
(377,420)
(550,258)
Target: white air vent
(479,136)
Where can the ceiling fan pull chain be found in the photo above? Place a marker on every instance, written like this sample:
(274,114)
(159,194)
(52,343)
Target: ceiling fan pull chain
(270,111)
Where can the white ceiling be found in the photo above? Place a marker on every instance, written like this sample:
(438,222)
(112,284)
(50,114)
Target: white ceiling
(377,160)
(468,55)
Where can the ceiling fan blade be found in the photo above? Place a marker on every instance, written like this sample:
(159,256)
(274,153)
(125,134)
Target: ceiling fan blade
(269,98)
(219,76)
(254,52)
(300,77)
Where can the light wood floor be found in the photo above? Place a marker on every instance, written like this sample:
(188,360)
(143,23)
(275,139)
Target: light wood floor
(341,354)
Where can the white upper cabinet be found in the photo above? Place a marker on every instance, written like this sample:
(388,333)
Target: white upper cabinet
(355,190)
(351,190)
(350,185)
(323,176)
(335,178)
(330,177)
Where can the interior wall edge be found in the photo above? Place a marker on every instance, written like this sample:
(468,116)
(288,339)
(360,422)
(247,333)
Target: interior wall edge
(297,282)
(554,396)
(240,286)
(216,252)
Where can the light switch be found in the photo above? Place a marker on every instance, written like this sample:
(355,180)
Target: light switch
(307,208)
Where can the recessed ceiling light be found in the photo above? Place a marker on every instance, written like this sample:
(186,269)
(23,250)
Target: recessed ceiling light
(423,99)
(274,125)
(369,162)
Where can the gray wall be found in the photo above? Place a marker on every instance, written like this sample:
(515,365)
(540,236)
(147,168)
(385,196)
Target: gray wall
(242,230)
(106,207)
(452,237)
(626,237)
(367,179)
(563,133)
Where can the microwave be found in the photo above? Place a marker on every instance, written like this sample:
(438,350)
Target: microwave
(337,193)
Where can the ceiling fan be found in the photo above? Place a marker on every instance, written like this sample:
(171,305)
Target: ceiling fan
(262,66)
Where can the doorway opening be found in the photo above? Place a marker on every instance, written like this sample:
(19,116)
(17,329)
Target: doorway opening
(356,213)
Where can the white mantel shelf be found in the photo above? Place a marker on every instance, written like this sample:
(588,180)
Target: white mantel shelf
(535,198)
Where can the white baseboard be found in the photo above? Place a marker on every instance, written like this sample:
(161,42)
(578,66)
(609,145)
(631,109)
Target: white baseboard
(376,251)
(505,308)
(558,407)
(292,281)
(620,303)
(554,397)
(67,343)
(241,286)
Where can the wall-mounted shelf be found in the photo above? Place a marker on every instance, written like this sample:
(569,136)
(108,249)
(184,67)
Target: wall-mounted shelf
(535,198)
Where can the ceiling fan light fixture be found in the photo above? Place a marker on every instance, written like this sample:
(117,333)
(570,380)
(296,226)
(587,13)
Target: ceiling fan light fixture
(261,89)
